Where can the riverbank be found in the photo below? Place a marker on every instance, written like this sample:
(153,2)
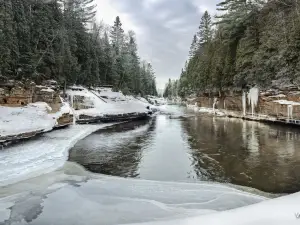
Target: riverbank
(28,110)
(273,105)
(235,114)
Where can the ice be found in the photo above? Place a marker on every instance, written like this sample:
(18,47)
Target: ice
(244,103)
(75,196)
(253,98)
(42,155)
(290,112)
(280,211)
(214,104)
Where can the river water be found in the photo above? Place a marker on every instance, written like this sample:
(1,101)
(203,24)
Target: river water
(196,147)
(169,163)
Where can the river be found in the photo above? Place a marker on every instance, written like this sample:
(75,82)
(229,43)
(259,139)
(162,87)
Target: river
(175,169)
(196,147)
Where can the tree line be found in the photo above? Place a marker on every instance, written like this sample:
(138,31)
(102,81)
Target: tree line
(60,40)
(251,42)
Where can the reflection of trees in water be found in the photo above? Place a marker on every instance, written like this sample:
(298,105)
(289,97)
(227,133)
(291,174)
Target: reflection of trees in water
(246,153)
(121,158)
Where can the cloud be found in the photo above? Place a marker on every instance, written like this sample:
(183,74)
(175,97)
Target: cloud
(164,29)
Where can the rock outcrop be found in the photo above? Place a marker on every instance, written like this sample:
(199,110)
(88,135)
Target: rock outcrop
(281,104)
(23,97)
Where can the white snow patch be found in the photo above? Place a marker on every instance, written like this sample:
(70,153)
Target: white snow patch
(47,90)
(211,111)
(40,105)
(14,121)
(115,103)
(286,102)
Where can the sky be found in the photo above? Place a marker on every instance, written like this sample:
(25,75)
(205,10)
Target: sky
(164,29)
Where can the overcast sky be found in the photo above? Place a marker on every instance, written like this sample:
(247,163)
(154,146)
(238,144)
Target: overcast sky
(164,29)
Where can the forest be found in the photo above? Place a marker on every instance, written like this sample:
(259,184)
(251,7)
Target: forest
(61,40)
(249,43)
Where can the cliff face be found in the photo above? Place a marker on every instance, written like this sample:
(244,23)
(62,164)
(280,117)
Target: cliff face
(279,104)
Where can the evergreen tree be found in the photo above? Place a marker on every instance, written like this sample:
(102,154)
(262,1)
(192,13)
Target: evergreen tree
(205,29)
(50,40)
(194,47)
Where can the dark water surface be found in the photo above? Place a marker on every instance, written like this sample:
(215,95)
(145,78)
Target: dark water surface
(197,148)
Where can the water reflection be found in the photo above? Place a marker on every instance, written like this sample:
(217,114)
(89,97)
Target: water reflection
(246,153)
(115,150)
(198,148)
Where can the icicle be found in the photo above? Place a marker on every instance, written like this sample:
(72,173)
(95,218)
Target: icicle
(253,98)
(214,105)
(290,112)
(244,103)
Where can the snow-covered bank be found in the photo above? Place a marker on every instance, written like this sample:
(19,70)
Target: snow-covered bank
(24,122)
(103,102)
(42,155)
(14,121)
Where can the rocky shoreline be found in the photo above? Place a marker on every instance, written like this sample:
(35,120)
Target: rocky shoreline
(276,106)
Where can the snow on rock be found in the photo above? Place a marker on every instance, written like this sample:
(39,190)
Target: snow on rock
(43,155)
(32,118)
(286,102)
(114,103)
(40,105)
(278,96)
(48,90)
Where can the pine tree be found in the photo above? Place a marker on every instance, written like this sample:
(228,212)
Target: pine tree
(117,36)
(8,41)
(205,29)
(194,47)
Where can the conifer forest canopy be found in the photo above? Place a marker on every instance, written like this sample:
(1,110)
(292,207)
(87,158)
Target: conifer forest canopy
(60,40)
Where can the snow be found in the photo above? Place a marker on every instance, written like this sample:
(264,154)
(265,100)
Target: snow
(286,102)
(42,155)
(47,90)
(40,105)
(253,98)
(278,96)
(116,103)
(34,117)
(211,111)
